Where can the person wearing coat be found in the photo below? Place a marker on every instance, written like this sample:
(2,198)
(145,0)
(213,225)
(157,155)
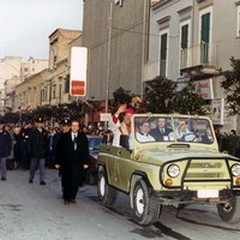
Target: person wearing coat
(5,150)
(38,151)
(161,131)
(72,160)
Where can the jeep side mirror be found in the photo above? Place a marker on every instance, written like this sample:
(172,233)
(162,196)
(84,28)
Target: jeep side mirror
(124,141)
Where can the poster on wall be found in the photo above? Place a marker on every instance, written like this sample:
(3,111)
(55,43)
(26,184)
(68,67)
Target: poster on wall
(205,88)
(217,111)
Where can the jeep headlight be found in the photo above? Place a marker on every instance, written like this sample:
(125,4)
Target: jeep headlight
(173,170)
(236,170)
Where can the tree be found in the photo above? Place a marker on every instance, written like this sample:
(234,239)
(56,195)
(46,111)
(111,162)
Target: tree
(162,96)
(10,117)
(231,86)
(159,94)
(189,101)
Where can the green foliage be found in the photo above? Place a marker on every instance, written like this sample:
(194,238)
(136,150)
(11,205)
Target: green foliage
(56,113)
(162,96)
(231,86)
(189,101)
(11,117)
(159,94)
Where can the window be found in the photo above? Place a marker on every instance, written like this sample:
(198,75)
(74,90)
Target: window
(205,29)
(54,87)
(163,53)
(184,36)
(67,82)
(184,44)
(205,35)
(60,92)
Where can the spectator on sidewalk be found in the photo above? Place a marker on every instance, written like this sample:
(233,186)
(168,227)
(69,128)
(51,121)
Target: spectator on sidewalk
(10,157)
(25,145)
(233,143)
(39,148)
(5,150)
(17,146)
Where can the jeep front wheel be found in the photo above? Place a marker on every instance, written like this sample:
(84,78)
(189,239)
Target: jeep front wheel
(230,211)
(146,207)
(106,194)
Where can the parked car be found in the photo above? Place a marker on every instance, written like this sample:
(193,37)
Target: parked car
(179,166)
(94,142)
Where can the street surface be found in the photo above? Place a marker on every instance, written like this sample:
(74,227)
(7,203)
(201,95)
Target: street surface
(34,212)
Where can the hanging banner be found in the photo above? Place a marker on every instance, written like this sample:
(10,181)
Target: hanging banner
(217,111)
(205,88)
(78,73)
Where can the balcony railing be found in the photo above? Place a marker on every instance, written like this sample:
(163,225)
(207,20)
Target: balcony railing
(204,53)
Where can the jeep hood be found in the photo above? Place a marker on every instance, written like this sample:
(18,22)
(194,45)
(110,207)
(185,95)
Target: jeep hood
(160,156)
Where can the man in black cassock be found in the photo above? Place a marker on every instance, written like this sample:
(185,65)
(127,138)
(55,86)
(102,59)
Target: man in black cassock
(72,160)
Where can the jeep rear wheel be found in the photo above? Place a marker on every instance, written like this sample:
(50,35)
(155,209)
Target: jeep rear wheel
(146,207)
(106,194)
(230,211)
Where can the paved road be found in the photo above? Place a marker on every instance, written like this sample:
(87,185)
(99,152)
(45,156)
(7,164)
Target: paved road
(34,212)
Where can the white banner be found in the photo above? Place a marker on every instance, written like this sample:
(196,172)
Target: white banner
(217,111)
(78,74)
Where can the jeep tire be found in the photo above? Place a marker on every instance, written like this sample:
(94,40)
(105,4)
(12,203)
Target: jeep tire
(230,211)
(146,207)
(106,194)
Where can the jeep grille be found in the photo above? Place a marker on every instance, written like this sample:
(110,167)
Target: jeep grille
(207,169)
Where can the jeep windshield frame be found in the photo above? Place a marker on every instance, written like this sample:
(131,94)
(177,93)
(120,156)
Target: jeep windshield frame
(173,129)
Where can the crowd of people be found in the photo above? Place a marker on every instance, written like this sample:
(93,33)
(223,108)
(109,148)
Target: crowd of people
(35,146)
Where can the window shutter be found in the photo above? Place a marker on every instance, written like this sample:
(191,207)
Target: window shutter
(184,36)
(205,28)
(67,82)
(163,47)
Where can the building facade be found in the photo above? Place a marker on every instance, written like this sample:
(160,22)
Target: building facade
(116,37)
(51,85)
(190,40)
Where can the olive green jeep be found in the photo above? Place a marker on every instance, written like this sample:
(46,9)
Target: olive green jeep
(170,160)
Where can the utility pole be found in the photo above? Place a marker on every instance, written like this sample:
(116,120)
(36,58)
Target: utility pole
(108,54)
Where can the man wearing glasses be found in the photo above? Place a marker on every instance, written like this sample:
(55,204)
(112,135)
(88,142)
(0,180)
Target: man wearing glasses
(143,133)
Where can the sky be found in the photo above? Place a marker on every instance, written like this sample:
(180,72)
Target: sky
(25,25)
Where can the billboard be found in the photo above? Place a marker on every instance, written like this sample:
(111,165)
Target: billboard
(78,73)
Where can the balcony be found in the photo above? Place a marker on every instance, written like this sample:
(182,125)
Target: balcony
(199,61)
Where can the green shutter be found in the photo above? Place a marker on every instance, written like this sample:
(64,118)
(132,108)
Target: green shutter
(163,47)
(184,36)
(163,54)
(205,28)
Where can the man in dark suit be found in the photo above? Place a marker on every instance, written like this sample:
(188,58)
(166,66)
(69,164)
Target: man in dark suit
(161,131)
(72,159)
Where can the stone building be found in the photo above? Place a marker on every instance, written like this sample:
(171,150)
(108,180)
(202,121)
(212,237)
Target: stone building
(33,66)
(50,86)
(116,37)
